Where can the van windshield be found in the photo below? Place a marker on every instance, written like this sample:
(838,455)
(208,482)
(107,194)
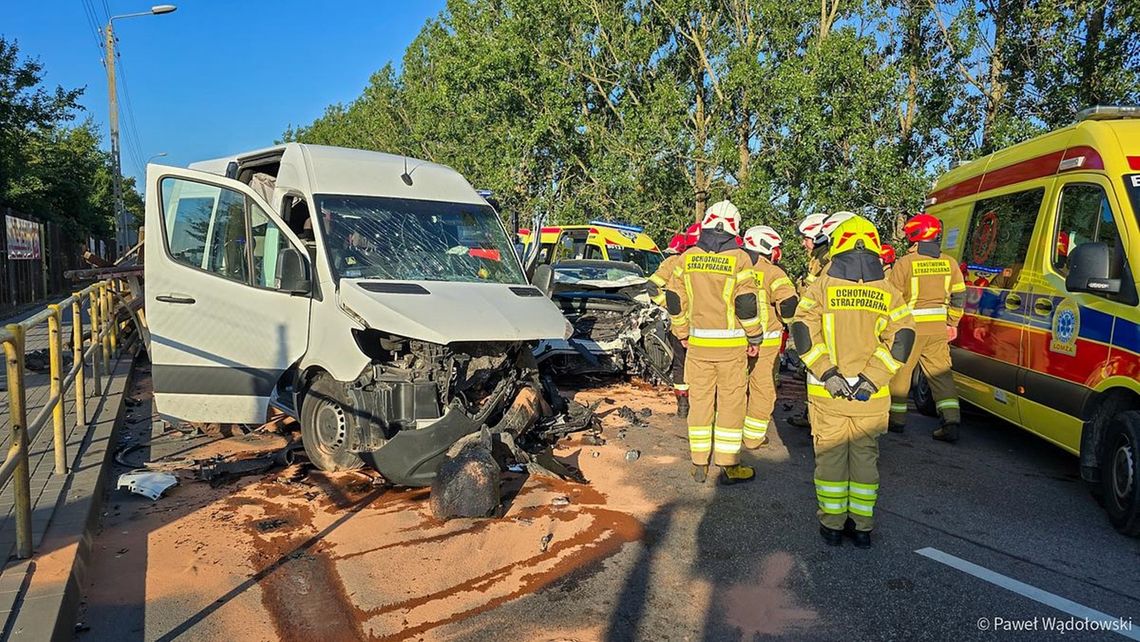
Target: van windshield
(412,240)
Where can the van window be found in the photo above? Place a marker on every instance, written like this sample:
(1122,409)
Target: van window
(998,240)
(205,227)
(268,242)
(1085,216)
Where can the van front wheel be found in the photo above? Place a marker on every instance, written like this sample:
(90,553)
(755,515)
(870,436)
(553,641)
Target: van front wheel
(326,423)
(1120,472)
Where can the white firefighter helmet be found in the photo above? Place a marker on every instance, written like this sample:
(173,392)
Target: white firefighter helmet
(762,239)
(809,227)
(829,224)
(724,215)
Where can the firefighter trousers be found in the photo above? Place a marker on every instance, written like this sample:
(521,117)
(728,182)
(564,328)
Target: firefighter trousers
(677,371)
(762,373)
(846,466)
(933,352)
(717,391)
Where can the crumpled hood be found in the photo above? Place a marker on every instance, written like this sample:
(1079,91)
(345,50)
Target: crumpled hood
(452,312)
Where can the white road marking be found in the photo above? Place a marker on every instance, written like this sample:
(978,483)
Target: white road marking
(1032,592)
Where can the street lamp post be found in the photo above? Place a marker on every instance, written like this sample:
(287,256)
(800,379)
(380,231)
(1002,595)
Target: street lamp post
(158,155)
(121,235)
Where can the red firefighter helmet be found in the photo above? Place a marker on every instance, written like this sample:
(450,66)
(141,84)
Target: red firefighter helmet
(887,252)
(922,227)
(677,244)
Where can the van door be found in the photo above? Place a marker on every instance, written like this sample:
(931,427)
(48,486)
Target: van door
(223,331)
(989,349)
(1068,343)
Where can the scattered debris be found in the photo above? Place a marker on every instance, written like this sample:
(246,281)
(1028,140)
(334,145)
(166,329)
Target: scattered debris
(147,483)
(266,525)
(595,454)
(467,484)
(632,455)
(594,439)
(646,412)
(637,420)
(546,541)
(560,501)
(37,360)
(131,403)
(622,433)
(218,471)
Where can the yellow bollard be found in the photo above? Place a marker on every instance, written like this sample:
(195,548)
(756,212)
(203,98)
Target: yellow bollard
(93,298)
(77,357)
(55,363)
(104,324)
(14,351)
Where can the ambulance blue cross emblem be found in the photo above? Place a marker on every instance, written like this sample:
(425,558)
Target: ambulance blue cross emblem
(1066,328)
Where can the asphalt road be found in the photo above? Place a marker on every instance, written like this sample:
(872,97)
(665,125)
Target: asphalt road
(999,498)
(746,562)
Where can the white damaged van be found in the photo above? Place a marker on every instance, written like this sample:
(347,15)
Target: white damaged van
(376,298)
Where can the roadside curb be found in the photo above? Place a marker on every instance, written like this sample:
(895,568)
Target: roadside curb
(51,583)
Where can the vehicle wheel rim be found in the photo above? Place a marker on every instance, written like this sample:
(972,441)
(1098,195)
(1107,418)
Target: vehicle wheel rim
(1123,467)
(331,427)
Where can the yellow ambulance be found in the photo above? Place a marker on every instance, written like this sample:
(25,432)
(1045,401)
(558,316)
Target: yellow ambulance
(1046,232)
(599,240)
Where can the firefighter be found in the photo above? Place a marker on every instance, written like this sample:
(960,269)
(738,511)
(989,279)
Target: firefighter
(777,302)
(819,226)
(853,330)
(888,256)
(715,313)
(936,291)
(657,284)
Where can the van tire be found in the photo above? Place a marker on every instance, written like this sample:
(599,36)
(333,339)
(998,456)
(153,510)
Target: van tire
(1120,472)
(326,424)
(921,395)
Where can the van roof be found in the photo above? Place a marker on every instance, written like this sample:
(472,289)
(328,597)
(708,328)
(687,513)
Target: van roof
(357,172)
(1088,145)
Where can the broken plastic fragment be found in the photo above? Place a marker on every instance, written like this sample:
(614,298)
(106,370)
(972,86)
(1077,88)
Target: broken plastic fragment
(147,483)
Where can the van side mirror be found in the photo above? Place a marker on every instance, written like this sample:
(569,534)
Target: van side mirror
(543,278)
(1090,266)
(293,272)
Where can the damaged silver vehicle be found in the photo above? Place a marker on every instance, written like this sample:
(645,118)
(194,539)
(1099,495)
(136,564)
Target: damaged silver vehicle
(374,297)
(617,330)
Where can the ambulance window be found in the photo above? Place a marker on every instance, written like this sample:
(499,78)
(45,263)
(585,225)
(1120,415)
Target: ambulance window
(593,252)
(1085,216)
(1000,230)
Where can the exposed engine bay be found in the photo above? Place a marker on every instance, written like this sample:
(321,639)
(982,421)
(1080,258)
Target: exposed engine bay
(418,399)
(617,329)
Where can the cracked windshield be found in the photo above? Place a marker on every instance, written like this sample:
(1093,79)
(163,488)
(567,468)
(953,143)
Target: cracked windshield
(412,240)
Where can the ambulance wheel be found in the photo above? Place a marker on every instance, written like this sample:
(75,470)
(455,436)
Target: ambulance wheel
(326,423)
(1120,472)
(921,395)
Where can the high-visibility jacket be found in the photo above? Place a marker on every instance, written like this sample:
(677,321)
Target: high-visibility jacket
(852,326)
(817,263)
(933,287)
(660,278)
(777,299)
(716,305)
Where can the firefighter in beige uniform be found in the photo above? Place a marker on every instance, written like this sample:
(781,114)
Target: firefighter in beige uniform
(936,291)
(714,306)
(854,331)
(657,286)
(777,303)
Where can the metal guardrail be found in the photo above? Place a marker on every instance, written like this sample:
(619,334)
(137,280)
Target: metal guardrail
(98,343)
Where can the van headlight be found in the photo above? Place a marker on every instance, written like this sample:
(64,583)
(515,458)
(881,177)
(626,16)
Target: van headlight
(569,331)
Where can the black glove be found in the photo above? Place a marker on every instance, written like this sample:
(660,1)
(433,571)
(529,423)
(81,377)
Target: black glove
(836,385)
(863,388)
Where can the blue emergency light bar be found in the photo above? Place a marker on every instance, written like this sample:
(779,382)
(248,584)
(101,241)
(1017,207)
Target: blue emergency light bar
(619,226)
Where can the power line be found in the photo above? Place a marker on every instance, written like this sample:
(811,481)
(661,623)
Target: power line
(134,140)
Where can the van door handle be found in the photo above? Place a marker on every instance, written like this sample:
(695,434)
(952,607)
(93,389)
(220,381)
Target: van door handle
(166,298)
(1043,307)
(1012,302)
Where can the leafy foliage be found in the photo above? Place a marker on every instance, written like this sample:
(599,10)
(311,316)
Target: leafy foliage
(648,110)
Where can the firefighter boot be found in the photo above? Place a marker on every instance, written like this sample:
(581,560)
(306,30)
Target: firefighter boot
(830,536)
(947,433)
(700,473)
(682,405)
(736,474)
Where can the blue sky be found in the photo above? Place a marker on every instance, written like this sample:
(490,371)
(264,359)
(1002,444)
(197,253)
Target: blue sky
(216,76)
